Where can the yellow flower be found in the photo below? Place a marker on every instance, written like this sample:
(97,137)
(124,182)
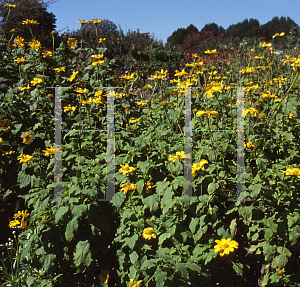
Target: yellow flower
(207,114)
(103,276)
(264,44)
(1,140)
(211,52)
(43,221)
(23,214)
(63,69)
(252,111)
(102,40)
(20,41)
(13,223)
(25,158)
(132,284)
(292,171)
(83,21)
(98,63)
(126,169)
(280,272)
(36,81)
(20,60)
(50,151)
(10,5)
(180,154)
(261,116)
(81,91)
(47,54)
(173,158)
(35,44)
(291,116)
(127,77)
(225,246)
(5,153)
(24,88)
(69,108)
(198,166)
(73,76)
(247,70)
(27,138)
(164,103)
(27,22)
(249,144)
(72,42)
(99,56)
(149,186)
(148,87)
(148,233)
(127,186)
(95,21)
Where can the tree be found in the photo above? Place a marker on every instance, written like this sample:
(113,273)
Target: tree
(28,9)
(213,27)
(180,34)
(192,42)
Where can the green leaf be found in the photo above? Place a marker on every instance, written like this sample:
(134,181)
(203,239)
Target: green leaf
(161,187)
(193,267)
(151,202)
(30,280)
(180,267)
(78,210)
(71,227)
(162,237)
(133,257)
(160,278)
(246,212)
(60,213)
(149,264)
(255,188)
(281,261)
(268,233)
(130,241)
(223,233)
(82,255)
(48,261)
(193,224)
(212,187)
(144,166)
(167,201)
(294,234)
(238,267)
(132,272)
(233,225)
(24,179)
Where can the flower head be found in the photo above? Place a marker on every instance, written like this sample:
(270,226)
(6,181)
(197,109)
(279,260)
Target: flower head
(27,138)
(103,276)
(148,233)
(28,22)
(132,284)
(292,171)
(126,169)
(35,44)
(10,5)
(225,246)
(72,43)
(25,158)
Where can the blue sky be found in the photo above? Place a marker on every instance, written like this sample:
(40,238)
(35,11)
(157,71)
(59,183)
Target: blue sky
(164,17)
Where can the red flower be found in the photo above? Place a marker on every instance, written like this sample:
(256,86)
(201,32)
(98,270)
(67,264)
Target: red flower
(204,62)
(223,48)
(222,55)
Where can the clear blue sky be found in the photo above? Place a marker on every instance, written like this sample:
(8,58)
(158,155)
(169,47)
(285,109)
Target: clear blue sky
(165,16)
